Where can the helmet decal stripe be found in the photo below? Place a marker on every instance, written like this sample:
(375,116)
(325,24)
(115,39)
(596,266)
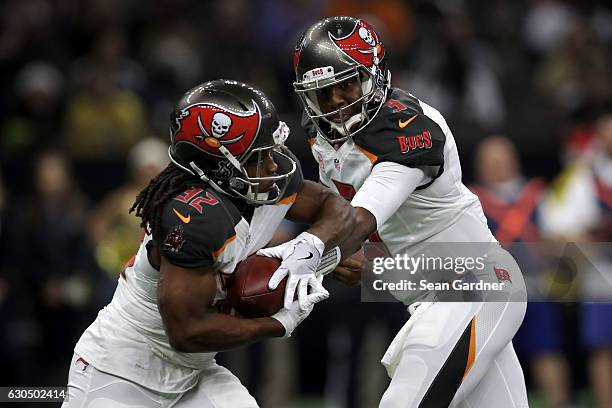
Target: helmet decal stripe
(209,127)
(362,44)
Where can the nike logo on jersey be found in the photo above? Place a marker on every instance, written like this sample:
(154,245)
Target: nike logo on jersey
(406,122)
(186,219)
(310,255)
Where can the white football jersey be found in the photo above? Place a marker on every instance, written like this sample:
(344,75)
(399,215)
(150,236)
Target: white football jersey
(408,132)
(201,228)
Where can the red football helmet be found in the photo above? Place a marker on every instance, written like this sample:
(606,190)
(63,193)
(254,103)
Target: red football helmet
(217,126)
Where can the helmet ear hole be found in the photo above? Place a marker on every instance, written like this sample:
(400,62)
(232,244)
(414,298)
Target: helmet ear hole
(223,171)
(238,185)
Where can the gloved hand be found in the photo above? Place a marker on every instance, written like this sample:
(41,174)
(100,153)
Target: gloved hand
(293,315)
(300,258)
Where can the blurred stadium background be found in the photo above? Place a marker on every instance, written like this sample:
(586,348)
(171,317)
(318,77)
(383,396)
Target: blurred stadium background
(87,87)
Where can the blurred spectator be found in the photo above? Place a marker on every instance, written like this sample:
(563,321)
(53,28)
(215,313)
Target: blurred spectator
(116,234)
(110,55)
(576,77)
(103,121)
(279,25)
(2,202)
(53,270)
(545,25)
(5,353)
(601,21)
(511,204)
(27,30)
(232,52)
(33,119)
(175,60)
(580,210)
(454,71)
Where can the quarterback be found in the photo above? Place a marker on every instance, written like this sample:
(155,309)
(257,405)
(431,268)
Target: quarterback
(395,159)
(230,184)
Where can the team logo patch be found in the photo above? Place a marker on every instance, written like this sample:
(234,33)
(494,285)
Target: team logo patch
(174,240)
(210,127)
(410,143)
(83,362)
(362,44)
(502,274)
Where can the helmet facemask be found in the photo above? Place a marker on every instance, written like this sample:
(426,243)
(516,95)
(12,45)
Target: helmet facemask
(373,94)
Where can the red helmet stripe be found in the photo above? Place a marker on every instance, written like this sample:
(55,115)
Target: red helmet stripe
(361,44)
(209,127)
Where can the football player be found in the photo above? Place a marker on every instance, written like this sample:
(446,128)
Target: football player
(395,158)
(230,184)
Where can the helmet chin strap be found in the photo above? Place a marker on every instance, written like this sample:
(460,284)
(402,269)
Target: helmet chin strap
(259,196)
(345,127)
(230,157)
(198,171)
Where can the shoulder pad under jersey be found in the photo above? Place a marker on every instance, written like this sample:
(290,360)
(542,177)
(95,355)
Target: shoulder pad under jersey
(195,226)
(402,133)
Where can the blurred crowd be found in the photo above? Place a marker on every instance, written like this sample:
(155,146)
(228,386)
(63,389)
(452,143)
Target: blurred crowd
(87,88)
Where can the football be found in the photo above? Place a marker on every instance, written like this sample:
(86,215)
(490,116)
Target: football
(247,287)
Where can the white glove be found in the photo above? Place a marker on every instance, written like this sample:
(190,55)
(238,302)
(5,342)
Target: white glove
(293,315)
(300,256)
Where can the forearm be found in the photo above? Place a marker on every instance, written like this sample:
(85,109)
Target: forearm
(220,332)
(364,226)
(334,221)
(184,299)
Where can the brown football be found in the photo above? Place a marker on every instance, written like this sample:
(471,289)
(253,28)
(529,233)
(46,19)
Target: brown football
(247,287)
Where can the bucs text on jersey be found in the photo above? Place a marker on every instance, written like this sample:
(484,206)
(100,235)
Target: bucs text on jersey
(200,227)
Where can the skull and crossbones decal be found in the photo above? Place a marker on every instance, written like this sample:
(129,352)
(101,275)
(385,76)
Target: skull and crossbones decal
(366,36)
(221,124)
(212,126)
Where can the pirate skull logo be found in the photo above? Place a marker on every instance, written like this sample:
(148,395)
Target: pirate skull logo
(221,124)
(366,36)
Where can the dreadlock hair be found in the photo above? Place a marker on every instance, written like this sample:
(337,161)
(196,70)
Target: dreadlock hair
(148,205)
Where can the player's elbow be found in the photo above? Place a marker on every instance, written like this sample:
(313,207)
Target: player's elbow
(177,327)
(184,340)
(178,342)
(189,334)
(177,334)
